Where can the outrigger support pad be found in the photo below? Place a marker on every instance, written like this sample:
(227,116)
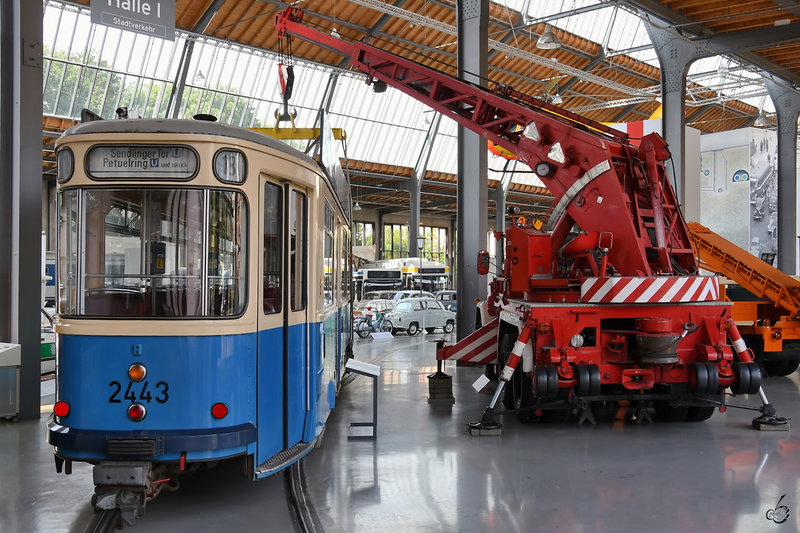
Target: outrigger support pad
(487,425)
(769,421)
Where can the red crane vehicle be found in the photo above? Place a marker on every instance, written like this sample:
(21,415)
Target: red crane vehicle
(605,302)
(766,301)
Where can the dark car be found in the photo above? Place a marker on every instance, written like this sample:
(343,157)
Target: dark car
(448,299)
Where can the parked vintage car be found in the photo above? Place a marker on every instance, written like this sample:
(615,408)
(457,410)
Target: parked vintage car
(401,295)
(449,299)
(416,314)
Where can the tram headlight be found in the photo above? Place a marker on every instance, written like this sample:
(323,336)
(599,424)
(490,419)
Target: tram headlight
(230,166)
(65,162)
(136,412)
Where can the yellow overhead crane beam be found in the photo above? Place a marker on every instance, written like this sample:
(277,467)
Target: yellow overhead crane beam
(299,133)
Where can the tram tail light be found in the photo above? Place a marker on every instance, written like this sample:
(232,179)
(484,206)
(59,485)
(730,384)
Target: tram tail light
(61,409)
(136,412)
(219,410)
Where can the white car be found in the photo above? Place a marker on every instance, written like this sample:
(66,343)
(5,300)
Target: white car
(416,314)
(402,295)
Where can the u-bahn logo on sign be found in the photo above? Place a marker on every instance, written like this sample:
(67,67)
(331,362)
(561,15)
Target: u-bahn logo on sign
(741,175)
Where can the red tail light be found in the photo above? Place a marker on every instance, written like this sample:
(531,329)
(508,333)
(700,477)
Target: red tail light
(61,409)
(219,410)
(136,412)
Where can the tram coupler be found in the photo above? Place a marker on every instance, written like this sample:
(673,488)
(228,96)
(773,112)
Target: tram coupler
(122,486)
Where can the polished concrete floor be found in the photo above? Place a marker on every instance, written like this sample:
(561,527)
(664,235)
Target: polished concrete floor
(424,473)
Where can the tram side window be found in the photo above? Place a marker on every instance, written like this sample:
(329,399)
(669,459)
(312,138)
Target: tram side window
(226,253)
(346,264)
(327,258)
(298,248)
(273,247)
(68,252)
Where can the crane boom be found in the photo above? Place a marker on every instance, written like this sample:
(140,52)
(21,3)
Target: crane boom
(601,182)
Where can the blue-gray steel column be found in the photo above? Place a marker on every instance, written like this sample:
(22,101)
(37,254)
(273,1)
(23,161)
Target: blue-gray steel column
(473,182)
(415,186)
(787,106)
(674,56)
(21,191)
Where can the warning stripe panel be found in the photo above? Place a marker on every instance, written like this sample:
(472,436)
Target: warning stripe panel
(480,346)
(650,290)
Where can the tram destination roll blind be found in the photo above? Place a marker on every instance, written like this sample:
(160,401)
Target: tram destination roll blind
(141,162)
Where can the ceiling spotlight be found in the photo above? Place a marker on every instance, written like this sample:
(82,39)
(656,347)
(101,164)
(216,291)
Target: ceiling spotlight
(762,121)
(548,40)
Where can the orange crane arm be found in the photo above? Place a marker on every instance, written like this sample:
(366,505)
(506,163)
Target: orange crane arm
(720,255)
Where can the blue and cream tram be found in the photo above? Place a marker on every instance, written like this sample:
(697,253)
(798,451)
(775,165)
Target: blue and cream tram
(203,286)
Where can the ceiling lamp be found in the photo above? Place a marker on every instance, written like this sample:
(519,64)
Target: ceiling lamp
(556,99)
(357,207)
(548,40)
(762,121)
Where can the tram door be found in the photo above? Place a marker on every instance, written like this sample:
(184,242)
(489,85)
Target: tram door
(283,333)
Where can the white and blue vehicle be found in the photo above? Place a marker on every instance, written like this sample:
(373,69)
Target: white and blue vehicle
(203,302)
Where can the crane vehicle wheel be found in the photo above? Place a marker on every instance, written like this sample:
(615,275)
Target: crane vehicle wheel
(594,380)
(699,414)
(755,378)
(698,378)
(413,329)
(742,374)
(540,382)
(780,367)
(584,381)
(552,381)
(670,413)
(526,400)
(713,379)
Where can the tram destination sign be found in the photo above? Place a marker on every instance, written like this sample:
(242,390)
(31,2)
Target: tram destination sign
(150,17)
(137,162)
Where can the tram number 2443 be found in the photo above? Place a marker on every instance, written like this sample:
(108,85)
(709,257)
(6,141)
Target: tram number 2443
(159,394)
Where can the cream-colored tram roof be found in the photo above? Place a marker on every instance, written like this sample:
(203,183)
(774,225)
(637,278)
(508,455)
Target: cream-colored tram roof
(139,129)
